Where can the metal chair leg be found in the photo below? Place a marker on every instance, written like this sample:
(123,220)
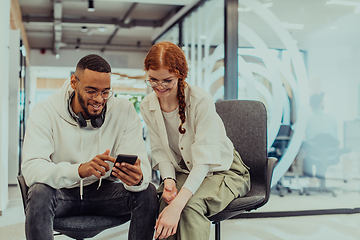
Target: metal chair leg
(217,230)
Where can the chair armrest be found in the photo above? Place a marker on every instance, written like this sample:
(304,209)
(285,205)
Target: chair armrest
(272,162)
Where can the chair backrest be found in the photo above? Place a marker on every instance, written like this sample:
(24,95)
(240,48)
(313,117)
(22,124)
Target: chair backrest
(285,130)
(246,125)
(23,188)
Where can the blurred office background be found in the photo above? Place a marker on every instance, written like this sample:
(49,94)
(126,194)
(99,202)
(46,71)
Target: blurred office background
(300,58)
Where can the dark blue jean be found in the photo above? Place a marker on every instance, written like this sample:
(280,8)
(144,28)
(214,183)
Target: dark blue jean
(111,199)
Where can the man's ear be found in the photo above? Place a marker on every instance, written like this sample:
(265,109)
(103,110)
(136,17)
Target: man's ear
(73,82)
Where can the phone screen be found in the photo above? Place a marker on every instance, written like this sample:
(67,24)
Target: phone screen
(131,159)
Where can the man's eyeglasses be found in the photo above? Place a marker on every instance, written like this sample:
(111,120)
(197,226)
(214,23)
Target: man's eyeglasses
(91,94)
(166,83)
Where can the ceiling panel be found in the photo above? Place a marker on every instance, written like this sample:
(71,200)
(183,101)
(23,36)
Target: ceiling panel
(107,25)
(113,22)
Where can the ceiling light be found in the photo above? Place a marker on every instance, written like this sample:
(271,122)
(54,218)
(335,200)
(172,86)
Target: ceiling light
(333,27)
(84,29)
(91,6)
(101,29)
(127,20)
(57,56)
(77,47)
(203,37)
(292,25)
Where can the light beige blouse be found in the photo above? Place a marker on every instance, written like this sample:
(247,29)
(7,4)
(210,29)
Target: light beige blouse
(205,140)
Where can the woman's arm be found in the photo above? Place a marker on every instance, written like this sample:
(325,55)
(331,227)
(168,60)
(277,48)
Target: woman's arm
(168,219)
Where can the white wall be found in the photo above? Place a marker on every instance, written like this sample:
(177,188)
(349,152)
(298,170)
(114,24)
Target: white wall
(4,99)
(47,66)
(69,58)
(14,105)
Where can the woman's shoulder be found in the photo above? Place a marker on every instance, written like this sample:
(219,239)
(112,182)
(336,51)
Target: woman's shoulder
(149,102)
(197,94)
(148,97)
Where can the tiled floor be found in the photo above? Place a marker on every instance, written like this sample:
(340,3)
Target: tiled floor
(329,227)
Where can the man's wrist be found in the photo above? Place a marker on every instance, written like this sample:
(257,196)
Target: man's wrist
(79,171)
(141,181)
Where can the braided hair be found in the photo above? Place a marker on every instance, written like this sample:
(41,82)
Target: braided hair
(169,56)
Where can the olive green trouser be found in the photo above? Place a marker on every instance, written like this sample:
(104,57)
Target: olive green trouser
(213,195)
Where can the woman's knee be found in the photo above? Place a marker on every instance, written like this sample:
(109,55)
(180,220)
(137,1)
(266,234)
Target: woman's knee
(194,209)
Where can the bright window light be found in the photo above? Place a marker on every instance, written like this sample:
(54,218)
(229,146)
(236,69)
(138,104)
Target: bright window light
(267,5)
(344,3)
(292,25)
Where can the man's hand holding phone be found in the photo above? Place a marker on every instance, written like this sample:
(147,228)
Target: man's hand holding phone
(127,168)
(96,166)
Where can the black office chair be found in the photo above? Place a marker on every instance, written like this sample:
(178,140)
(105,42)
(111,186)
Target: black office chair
(78,227)
(246,125)
(277,150)
(281,142)
(321,152)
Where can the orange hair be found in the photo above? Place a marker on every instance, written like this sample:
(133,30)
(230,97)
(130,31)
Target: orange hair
(169,56)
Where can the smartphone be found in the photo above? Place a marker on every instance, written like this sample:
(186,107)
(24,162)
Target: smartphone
(131,159)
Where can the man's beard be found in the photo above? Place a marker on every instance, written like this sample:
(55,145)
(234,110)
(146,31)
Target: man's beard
(83,106)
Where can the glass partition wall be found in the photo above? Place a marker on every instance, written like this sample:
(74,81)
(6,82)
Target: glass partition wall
(299,59)
(203,43)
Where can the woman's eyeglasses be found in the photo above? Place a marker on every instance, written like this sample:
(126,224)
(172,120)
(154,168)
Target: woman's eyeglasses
(165,84)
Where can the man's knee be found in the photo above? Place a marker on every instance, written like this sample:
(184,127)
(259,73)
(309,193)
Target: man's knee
(150,193)
(40,194)
(149,196)
(41,190)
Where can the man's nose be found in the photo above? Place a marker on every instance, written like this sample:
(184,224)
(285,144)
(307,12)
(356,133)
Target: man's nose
(99,98)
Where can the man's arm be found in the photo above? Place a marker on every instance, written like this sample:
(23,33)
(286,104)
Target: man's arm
(37,149)
(131,142)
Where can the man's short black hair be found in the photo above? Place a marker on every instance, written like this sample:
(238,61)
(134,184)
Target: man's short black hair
(95,63)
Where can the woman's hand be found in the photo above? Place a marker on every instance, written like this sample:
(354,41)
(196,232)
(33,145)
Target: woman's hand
(170,191)
(167,222)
